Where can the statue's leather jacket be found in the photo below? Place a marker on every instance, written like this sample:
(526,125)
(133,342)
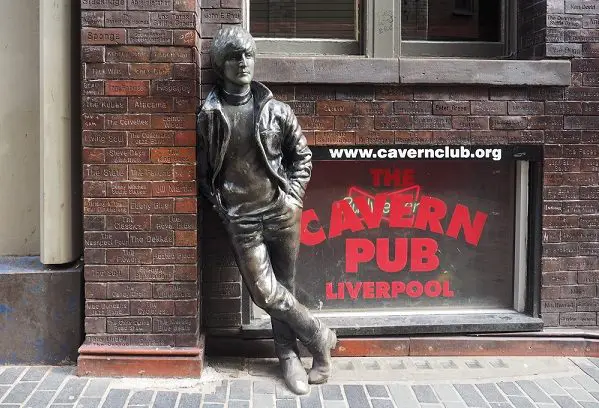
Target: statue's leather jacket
(280,140)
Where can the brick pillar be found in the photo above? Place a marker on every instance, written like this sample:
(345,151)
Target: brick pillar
(139,81)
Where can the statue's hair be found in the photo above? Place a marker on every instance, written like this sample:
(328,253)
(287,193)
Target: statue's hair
(230,40)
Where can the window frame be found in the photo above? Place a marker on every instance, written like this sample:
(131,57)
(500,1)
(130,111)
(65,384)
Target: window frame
(379,36)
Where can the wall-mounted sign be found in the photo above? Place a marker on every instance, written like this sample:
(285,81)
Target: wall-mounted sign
(407,235)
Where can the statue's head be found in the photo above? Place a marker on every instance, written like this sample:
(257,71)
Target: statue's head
(233,52)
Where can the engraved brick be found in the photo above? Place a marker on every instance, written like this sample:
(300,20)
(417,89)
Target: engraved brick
(224,320)
(581,122)
(150,105)
(431,122)
(151,239)
(105,206)
(432,93)
(508,122)
(104,138)
(92,121)
(172,20)
(187,105)
(152,273)
(150,71)
(127,54)
(95,290)
(335,138)
(174,222)
(545,122)
(392,122)
(590,221)
(393,93)
(186,205)
(144,36)
(560,249)
(303,107)
(104,104)
(102,36)
(588,277)
(148,172)
(579,235)
(127,19)
(151,206)
(106,71)
(581,151)
(470,122)
(225,290)
(561,108)
(185,138)
(587,305)
(583,94)
(94,189)
(578,319)
(354,122)
(175,290)
(103,4)
(129,189)
(173,88)
(92,88)
(562,165)
(375,137)
(559,278)
(172,54)
(412,107)
(221,16)
(104,172)
(373,108)
(561,305)
(525,108)
(128,223)
(105,239)
(451,108)
(106,308)
(129,87)
(181,122)
(585,65)
(316,122)
(451,137)
(590,108)
(560,193)
(496,137)
(174,325)
(128,122)
(106,273)
(488,107)
(152,308)
(173,188)
(138,155)
(129,290)
(580,207)
(185,172)
(92,19)
(151,138)
(152,5)
(564,21)
(129,257)
(590,21)
(325,108)
(129,325)
(186,308)
(161,256)
(94,223)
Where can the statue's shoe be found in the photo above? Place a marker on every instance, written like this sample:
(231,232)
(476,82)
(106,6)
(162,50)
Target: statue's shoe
(321,347)
(295,375)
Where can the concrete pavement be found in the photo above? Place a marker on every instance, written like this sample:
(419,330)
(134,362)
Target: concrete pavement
(410,382)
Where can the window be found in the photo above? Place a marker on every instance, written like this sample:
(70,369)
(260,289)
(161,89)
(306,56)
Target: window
(383,29)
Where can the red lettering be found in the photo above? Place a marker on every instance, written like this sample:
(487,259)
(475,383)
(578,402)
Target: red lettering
(460,220)
(409,178)
(430,213)
(382,290)
(343,218)
(353,291)
(357,251)
(414,289)
(400,214)
(330,294)
(368,290)
(372,217)
(397,288)
(424,258)
(308,237)
(383,258)
(377,174)
(447,292)
(432,288)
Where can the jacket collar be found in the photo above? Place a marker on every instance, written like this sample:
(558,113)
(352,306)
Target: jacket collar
(260,92)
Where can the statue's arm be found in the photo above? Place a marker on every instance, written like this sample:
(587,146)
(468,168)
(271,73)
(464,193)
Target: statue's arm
(297,156)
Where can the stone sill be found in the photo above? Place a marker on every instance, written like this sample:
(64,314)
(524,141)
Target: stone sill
(361,70)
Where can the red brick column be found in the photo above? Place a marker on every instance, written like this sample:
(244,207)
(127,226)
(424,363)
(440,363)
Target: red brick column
(139,81)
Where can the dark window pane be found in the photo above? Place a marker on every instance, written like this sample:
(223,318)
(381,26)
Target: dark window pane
(362,263)
(451,20)
(303,19)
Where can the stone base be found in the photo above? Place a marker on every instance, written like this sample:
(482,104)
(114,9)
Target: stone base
(41,313)
(543,344)
(109,361)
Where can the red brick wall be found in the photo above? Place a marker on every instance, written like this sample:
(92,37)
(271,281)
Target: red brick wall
(139,81)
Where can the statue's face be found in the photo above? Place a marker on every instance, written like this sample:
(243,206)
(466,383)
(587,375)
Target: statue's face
(239,68)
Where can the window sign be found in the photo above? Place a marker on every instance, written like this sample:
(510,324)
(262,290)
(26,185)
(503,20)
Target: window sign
(408,234)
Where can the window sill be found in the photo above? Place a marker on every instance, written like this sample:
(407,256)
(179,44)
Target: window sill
(361,70)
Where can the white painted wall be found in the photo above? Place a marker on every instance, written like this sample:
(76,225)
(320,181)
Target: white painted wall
(19,128)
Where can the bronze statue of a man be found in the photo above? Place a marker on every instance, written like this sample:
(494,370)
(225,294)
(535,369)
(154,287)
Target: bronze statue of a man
(254,166)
